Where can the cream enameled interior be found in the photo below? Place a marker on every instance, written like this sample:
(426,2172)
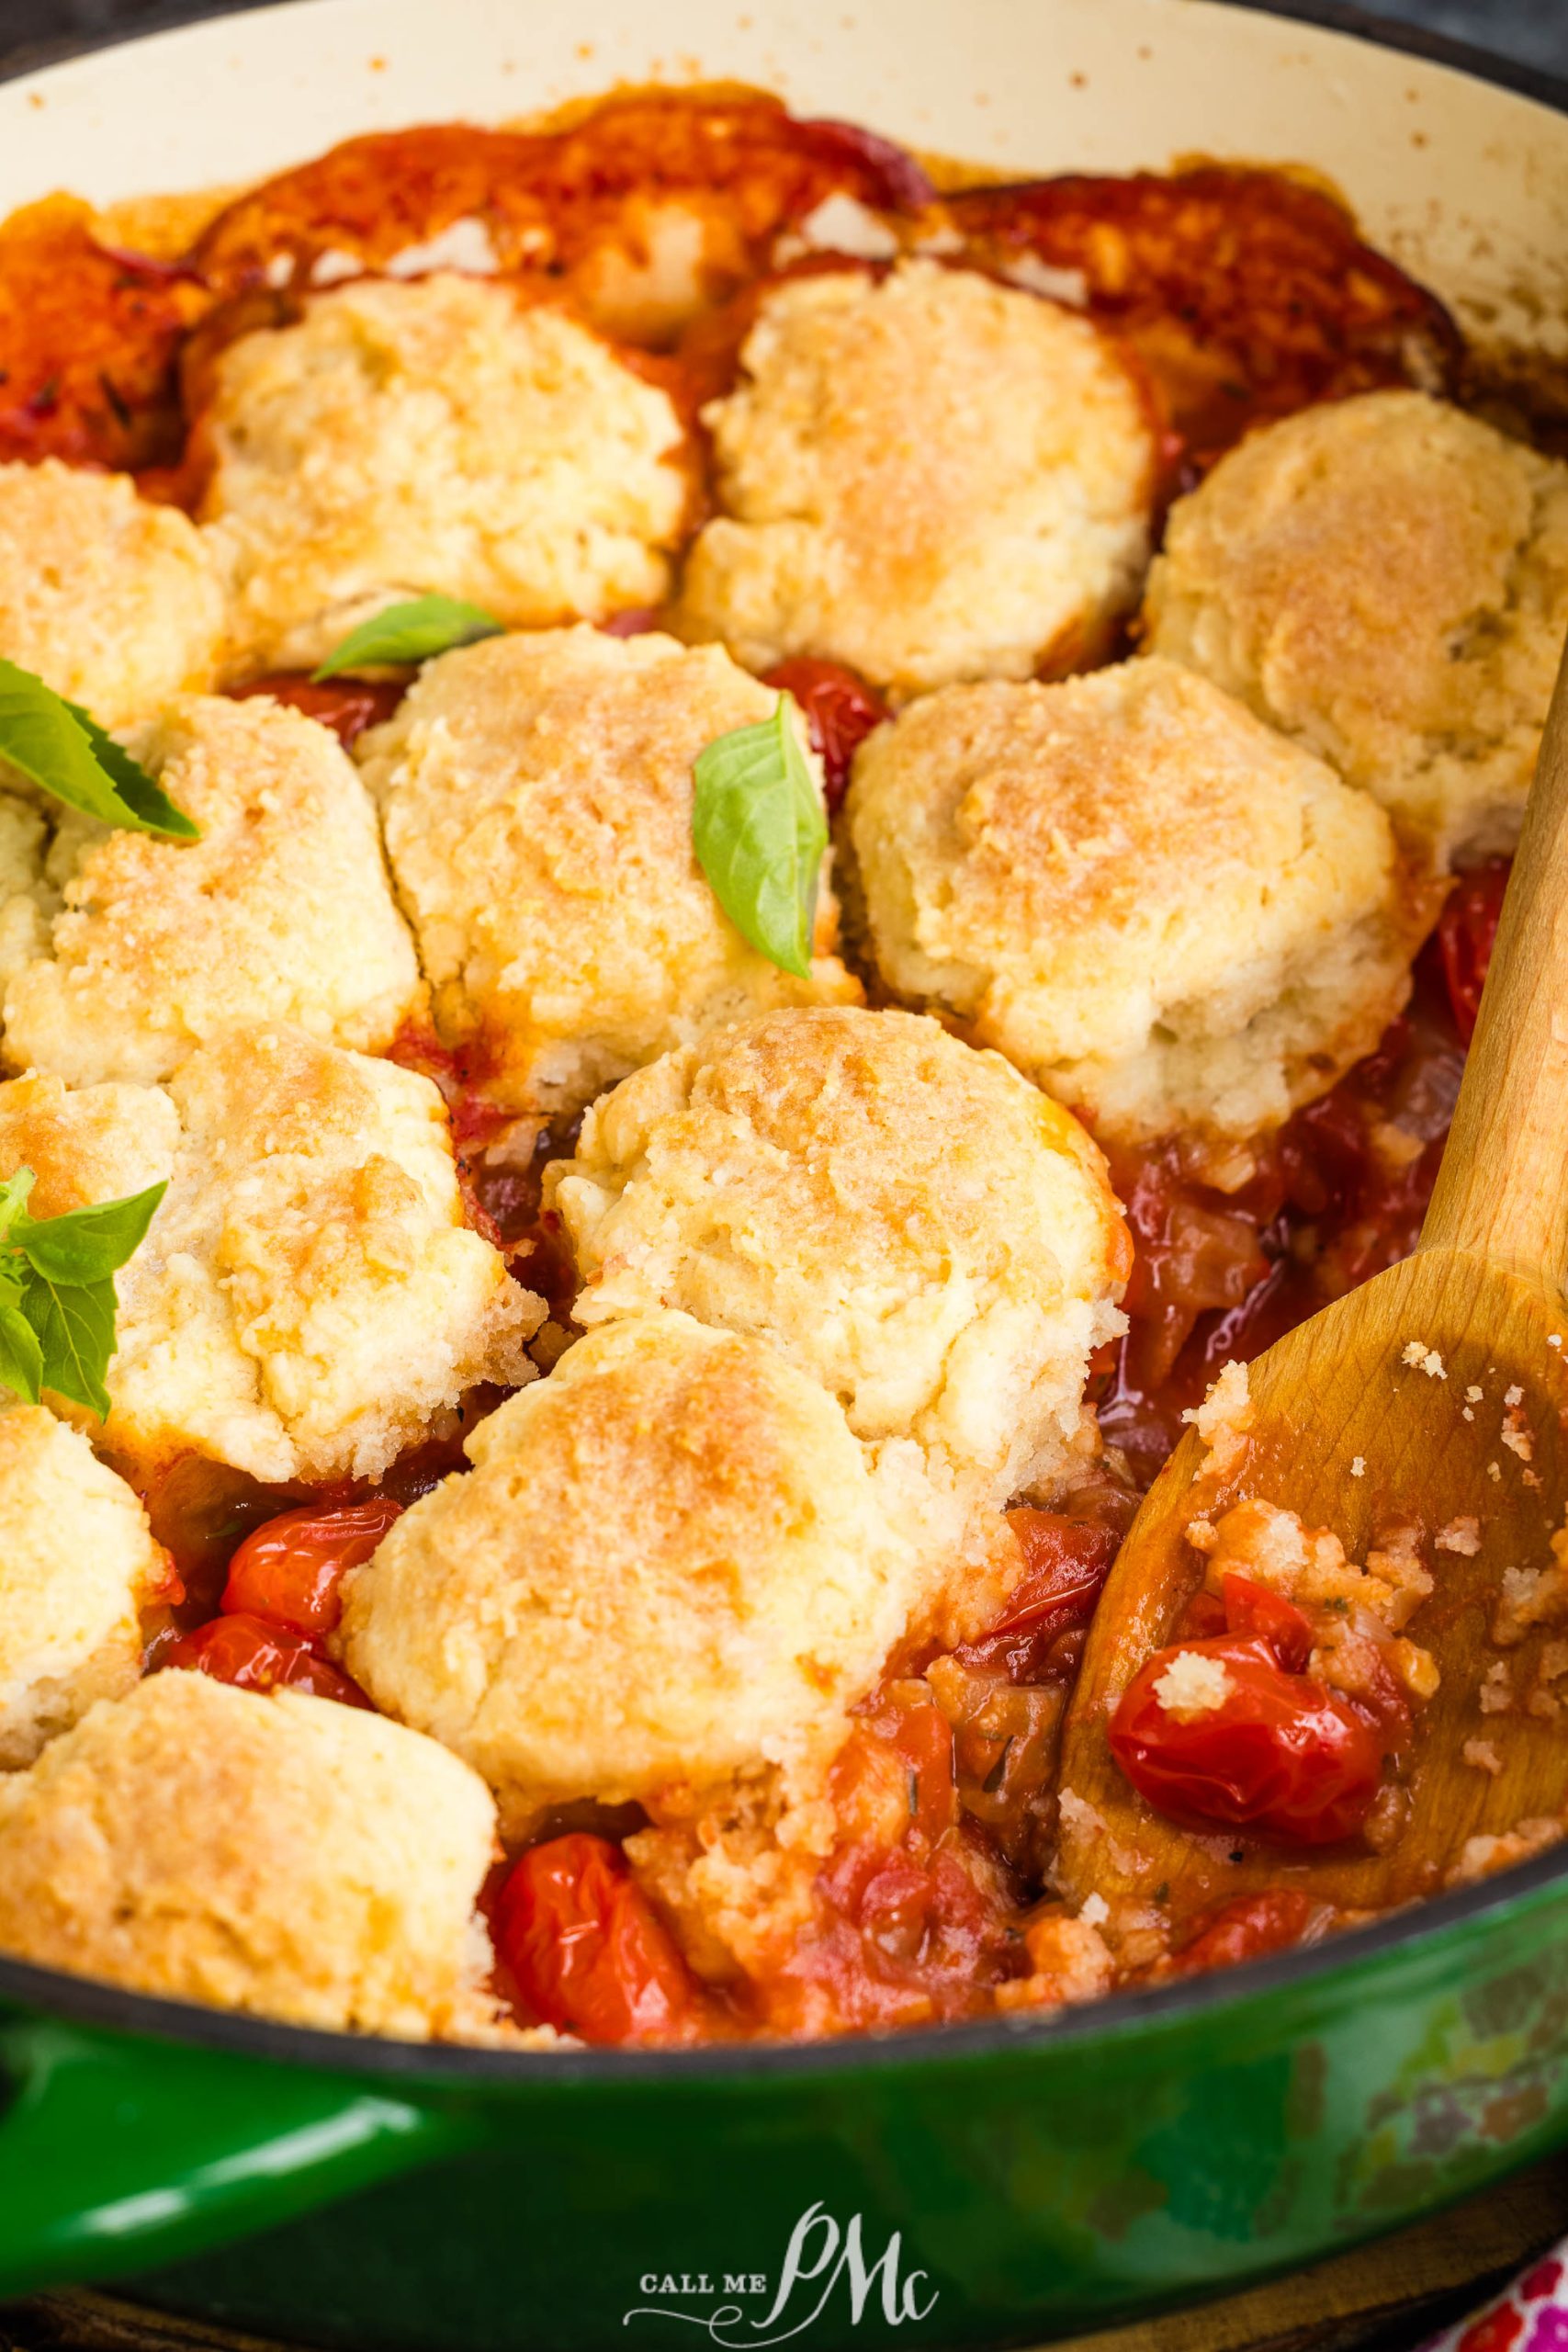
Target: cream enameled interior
(1464,183)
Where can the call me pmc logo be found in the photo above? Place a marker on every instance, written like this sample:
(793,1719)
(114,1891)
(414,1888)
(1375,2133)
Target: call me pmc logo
(820,2261)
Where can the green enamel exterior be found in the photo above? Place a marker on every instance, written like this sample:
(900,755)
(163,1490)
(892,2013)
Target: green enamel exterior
(1041,2180)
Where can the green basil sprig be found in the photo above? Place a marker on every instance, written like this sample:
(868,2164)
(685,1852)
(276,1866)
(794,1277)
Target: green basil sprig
(414,631)
(760,832)
(61,748)
(57,1293)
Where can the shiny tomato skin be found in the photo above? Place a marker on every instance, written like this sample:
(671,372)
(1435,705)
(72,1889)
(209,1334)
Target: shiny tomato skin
(840,710)
(1253,1925)
(289,1570)
(1283,1754)
(348,705)
(585,1949)
(254,1655)
(1255,1610)
(1467,933)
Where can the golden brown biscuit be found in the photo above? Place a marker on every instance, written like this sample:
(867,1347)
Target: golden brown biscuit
(1386,580)
(281,912)
(1165,913)
(668,1564)
(268,1852)
(928,476)
(110,599)
(307,1298)
(537,793)
(905,1219)
(77,1565)
(28,899)
(439,435)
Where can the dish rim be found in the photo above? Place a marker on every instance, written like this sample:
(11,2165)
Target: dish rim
(442,2065)
(91,2001)
(1343,17)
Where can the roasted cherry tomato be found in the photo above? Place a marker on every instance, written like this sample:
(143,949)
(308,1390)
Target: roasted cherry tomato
(1281,1753)
(288,1571)
(585,1949)
(1467,932)
(1065,1562)
(348,705)
(1271,1920)
(923,1737)
(1254,1610)
(254,1655)
(841,711)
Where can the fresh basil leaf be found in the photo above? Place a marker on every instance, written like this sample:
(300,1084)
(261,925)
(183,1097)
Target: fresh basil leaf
(14,1199)
(142,793)
(760,832)
(74,1323)
(414,631)
(86,1245)
(21,1358)
(59,748)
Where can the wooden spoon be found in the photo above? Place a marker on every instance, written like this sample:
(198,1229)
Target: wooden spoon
(1354,1438)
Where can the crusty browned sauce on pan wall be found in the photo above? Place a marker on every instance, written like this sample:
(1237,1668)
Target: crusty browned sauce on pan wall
(1244,295)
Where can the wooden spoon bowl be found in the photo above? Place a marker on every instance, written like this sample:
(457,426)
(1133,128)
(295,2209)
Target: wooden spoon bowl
(1436,1394)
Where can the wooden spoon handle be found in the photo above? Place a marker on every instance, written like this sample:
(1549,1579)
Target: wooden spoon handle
(1503,1187)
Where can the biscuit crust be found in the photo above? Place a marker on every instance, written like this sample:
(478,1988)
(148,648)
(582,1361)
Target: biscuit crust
(668,1564)
(907,1220)
(77,1563)
(112,599)
(308,1300)
(1162,911)
(270,1852)
(927,476)
(537,793)
(441,434)
(281,912)
(1386,580)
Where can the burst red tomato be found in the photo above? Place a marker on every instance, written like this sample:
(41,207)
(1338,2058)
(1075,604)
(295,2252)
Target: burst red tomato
(254,1655)
(585,1949)
(1066,1563)
(1467,932)
(348,705)
(1253,1925)
(290,1571)
(1281,1753)
(1255,1611)
(841,711)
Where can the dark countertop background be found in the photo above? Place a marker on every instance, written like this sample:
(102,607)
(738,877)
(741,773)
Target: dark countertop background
(1531,32)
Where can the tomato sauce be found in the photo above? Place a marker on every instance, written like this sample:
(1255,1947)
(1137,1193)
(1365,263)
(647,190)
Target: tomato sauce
(348,705)
(1336,1196)
(1246,293)
(89,344)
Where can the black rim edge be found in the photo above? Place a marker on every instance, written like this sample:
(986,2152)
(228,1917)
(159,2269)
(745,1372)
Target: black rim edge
(1412,40)
(91,2002)
(1326,15)
(440,2065)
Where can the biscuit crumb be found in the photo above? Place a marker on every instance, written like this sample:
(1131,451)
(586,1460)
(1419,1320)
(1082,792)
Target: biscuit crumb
(1421,1358)
(1359,1466)
(1223,1421)
(1461,1535)
(1473,1394)
(1496,1691)
(1194,1685)
(1482,1756)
